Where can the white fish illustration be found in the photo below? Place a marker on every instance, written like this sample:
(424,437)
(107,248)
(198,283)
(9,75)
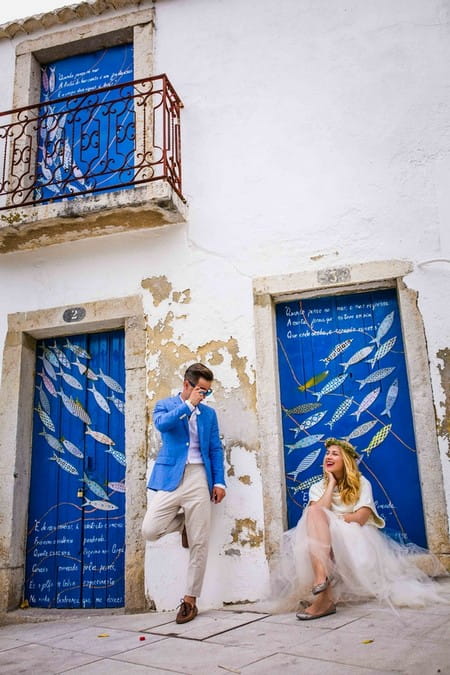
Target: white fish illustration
(120,405)
(62,358)
(382,351)
(357,357)
(81,366)
(64,465)
(48,367)
(376,376)
(81,413)
(74,407)
(99,437)
(99,504)
(84,370)
(77,350)
(52,441)
(72,448)
(309,422)
(100,399)
(305,463)
(68,402)
(361,430)
(367,402)
(339,412)
(71,380)
(383,328)
(43,399)
(391,397)
(117,486)
(112,384)
(45,419)
(337,350)
(330,386)
(48,384)
(49,355)
(95,487)
(305,442)
(67,161)
(51,79)
(118,456)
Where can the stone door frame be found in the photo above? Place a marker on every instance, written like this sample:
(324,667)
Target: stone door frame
(16,412)
(325,282)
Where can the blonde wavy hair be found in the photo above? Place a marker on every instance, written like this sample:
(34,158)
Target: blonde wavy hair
(350,485)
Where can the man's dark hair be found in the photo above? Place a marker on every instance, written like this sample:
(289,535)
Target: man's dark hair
(196,371)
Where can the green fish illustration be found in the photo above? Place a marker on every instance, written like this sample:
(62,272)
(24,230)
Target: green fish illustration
(316,379)
(306,484)
(378,438)
(300,409)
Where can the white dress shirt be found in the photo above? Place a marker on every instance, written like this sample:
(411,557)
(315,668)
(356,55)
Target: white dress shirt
(194,455)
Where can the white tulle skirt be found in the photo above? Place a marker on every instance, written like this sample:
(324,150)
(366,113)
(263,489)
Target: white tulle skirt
(364,564)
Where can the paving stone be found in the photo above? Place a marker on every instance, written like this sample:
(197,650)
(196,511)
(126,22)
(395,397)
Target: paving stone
(39,660)
(207,625)
(109,667)
(137,622)
(10,643)
(89,641)
(386,652)
(288,664)
(194,657)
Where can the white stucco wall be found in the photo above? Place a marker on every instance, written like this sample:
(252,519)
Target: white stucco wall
(314,134)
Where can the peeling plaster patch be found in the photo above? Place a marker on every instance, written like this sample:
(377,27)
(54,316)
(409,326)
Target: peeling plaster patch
(159,287)
(229,447)
(175,357)
(245,479)
(323,255)
(183,297)
(233,551)
(215,359)
(245,532)
(444,370)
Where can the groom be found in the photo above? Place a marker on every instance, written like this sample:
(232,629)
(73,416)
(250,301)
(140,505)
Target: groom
(188,475)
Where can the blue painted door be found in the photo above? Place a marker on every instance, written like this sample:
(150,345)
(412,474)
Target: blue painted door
(343,374)
(86,143)
(76,521)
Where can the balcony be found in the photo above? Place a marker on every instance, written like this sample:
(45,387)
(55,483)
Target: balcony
(107,160)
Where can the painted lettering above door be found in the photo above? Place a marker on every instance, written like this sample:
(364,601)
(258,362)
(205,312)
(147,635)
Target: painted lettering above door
(76,521)
(343,374)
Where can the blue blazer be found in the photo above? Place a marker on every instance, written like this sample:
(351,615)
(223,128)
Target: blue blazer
(170,417)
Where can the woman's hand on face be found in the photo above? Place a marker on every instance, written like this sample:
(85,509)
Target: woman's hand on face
(331,479)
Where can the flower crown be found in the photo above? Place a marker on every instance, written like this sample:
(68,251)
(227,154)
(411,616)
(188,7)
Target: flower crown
(345,445)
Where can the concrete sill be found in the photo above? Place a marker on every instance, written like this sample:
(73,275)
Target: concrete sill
(147,206)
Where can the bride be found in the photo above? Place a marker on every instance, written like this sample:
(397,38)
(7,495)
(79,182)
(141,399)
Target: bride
(337,551)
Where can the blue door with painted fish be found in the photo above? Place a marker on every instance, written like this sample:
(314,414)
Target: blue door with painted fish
(76,519)
(343,374)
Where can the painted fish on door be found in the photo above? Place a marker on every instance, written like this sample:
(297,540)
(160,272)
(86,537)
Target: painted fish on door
(343,374)
(76,523)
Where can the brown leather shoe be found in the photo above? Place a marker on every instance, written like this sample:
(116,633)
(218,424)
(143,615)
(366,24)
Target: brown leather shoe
(186,613)
(184,539)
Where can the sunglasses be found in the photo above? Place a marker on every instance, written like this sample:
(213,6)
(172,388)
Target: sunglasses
(206,392)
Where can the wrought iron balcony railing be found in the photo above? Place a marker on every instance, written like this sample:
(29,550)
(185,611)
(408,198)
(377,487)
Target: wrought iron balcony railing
(103,140)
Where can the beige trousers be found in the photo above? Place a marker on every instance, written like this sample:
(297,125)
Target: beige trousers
(163,517)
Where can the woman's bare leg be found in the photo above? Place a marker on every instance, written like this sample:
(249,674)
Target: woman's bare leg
(320,542)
